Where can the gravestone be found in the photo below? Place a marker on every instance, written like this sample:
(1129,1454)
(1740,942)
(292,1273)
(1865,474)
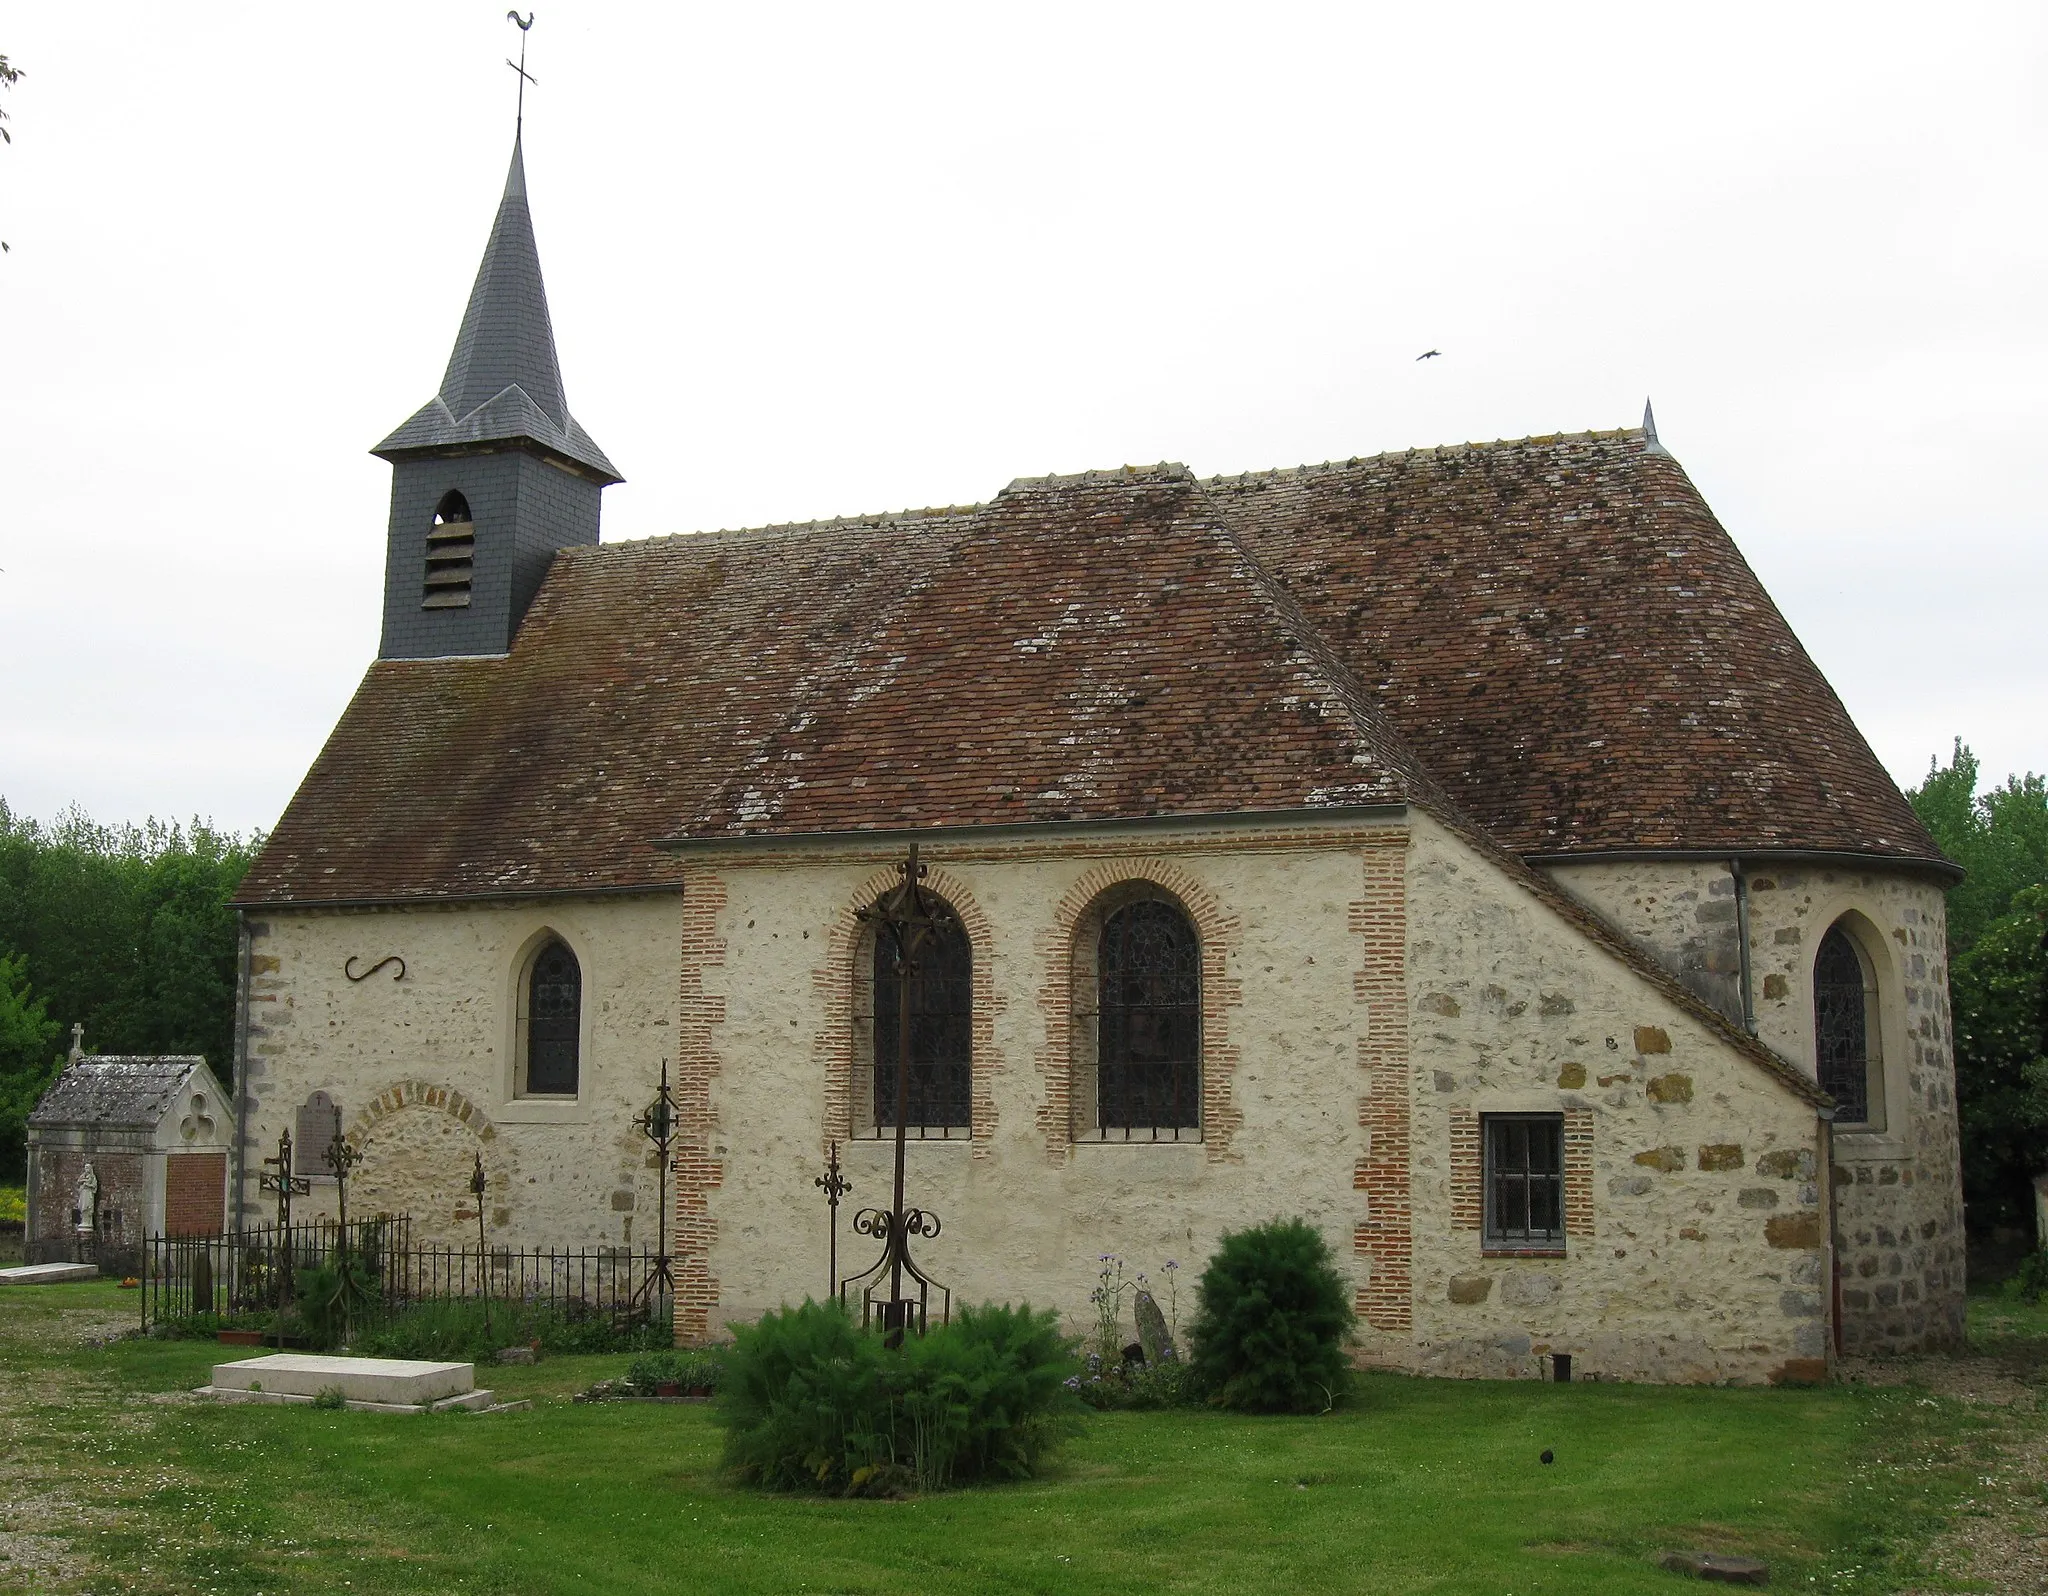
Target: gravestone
(368,1385)
(1153,1335)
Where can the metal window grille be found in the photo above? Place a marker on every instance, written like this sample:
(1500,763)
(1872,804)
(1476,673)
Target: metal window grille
(554,1022)
(1149,1041)
(941,1035)
(1524,1182)
(1841,1027)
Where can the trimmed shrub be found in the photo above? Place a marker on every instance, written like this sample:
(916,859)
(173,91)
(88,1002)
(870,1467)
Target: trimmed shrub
(811,1401)
(1273,1319)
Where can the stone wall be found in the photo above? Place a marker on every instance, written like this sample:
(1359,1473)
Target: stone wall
(1693,1249)
(422,1068)
(1898,1185)
(1369,989)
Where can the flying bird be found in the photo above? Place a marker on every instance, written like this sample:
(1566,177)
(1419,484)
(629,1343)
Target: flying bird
(1429,354)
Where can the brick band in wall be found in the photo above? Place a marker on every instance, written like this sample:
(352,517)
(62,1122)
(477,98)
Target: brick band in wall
(698,1169)
(1218,932)
(1384,1236)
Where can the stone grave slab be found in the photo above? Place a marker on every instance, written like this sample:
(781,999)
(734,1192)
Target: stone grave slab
(56,1274)
(368,1385)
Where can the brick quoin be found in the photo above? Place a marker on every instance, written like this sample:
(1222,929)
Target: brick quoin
(1578,1172)
(1468,1172)
(1384,1236)
(698,1170)
(844,968)
(195,1193)
(1219,933)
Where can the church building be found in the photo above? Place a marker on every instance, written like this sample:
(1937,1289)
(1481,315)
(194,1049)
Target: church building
(1454,848)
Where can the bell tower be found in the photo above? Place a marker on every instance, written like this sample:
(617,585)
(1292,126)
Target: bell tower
(492,475)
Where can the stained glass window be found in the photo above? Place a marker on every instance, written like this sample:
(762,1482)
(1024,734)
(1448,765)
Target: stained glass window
(1524,1181)
(941,1032)
(554,1022)
(1841,1027)
(1149,1048)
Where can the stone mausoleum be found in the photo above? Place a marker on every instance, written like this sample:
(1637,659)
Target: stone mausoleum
(1453,847)
(122,1148)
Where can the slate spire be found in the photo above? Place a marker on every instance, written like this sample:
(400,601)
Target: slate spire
(504,383)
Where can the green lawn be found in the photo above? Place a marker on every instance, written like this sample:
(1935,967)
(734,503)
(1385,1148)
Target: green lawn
(1423,1487)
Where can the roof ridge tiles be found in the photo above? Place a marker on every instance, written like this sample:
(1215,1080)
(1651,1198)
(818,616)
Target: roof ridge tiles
(1431,450)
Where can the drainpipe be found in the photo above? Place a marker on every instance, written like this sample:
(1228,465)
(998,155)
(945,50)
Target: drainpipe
(240,1084)
(1742,943)
(1831,1261)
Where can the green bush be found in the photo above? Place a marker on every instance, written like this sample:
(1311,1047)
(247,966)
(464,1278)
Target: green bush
(2029,1282)
(1272,1322)
(811,1401)
(693,1371)
(460,1330)
(1170,1383)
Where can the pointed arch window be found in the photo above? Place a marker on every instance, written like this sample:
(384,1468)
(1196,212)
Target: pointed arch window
(551,1023)
(451,555)
(1846,1031)
(941,1086)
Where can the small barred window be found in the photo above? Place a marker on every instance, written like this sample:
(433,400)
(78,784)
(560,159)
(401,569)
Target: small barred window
(451,556)
(1524,1182)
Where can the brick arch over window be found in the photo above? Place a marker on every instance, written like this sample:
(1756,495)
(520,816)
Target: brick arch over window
(1067,950)
(846,972)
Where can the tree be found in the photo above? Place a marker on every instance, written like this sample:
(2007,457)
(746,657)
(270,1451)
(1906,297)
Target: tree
(1999,837)
(27,1062)
(128,929)
(1997,918)
(10,74)
(2000,994)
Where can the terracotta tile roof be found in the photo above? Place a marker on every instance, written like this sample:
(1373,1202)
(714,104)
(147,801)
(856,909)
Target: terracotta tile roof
(1554,636)
(1570,642)
(1081,648)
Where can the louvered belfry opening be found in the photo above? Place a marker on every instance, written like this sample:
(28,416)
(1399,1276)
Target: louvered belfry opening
(451,556)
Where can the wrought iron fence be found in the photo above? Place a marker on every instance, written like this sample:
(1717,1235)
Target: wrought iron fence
(227,1276)
(185,1277)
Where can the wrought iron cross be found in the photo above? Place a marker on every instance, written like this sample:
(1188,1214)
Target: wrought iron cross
(478,1185)
(835,1186)
(519,66)
(657,1122)
(909,916)
(284,1184)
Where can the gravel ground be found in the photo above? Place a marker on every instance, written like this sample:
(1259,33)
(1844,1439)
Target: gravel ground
(1998,1540)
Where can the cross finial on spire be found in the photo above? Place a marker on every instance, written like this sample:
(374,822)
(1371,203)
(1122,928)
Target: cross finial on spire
(519,66)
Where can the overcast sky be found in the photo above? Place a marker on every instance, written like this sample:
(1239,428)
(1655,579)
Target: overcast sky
(811,260)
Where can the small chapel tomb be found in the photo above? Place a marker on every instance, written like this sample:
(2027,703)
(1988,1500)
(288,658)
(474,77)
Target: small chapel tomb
(367,1385)
(123,1148)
